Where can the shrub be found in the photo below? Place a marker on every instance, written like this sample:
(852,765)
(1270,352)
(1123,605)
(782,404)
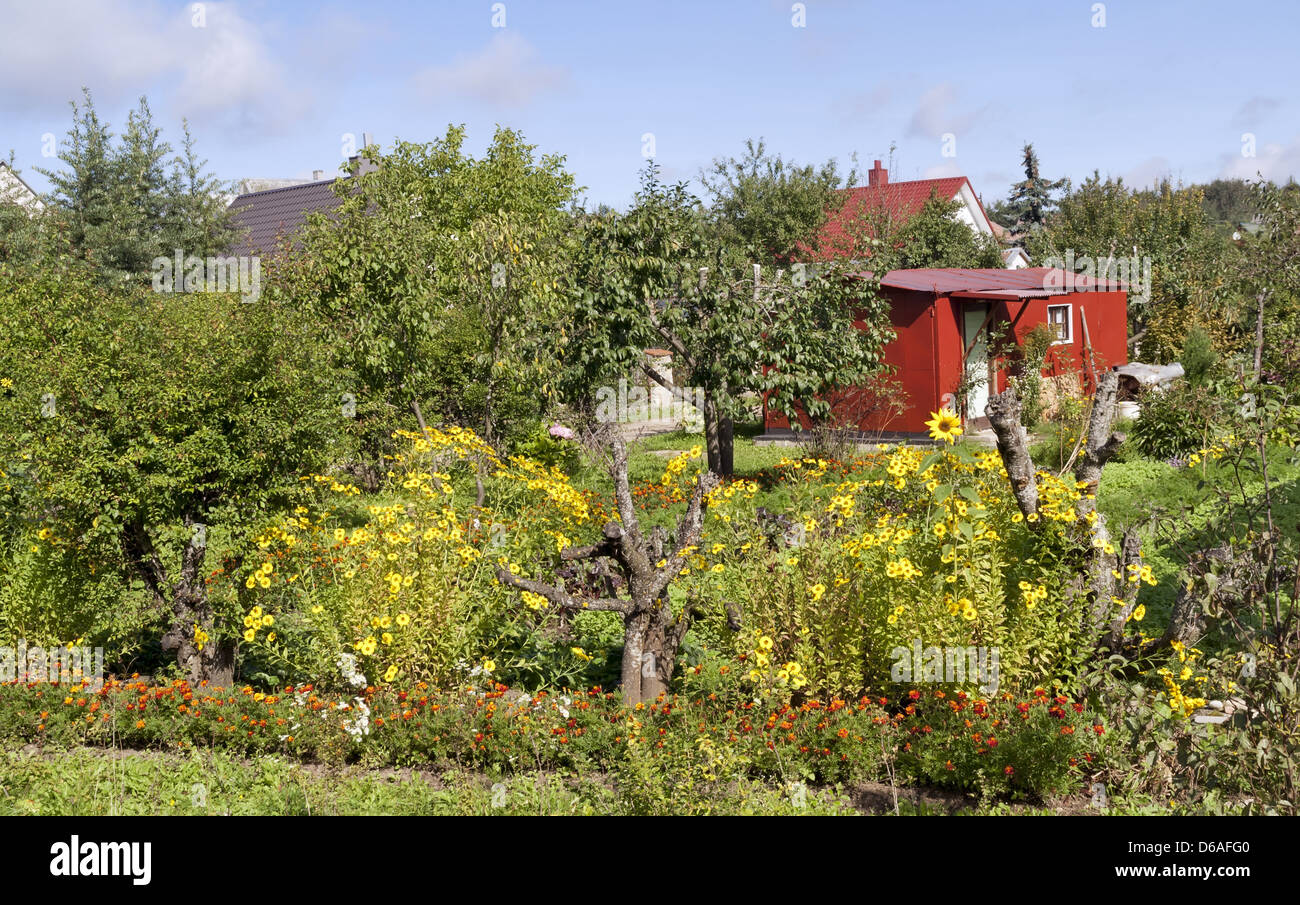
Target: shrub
(1176,422)
(1199,357)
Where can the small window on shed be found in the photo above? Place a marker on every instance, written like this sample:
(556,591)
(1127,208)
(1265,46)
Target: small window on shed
(1058,318)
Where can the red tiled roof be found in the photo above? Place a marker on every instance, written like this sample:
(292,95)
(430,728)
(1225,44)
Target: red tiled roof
(880,199)
(992,283)
(899,201)
(280,212)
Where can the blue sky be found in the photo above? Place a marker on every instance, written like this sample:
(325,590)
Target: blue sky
(271,88)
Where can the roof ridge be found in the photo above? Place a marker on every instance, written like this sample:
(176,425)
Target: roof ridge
(287,188)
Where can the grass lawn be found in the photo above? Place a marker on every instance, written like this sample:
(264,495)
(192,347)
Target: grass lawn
(87,782)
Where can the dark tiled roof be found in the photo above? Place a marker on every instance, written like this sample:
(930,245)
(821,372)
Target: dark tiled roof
(269,215)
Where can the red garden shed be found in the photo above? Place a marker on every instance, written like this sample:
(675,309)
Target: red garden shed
(943,317)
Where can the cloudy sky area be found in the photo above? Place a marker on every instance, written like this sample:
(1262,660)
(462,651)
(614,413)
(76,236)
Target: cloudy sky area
(271,88)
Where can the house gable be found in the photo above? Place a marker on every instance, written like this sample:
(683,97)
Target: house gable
(13,190)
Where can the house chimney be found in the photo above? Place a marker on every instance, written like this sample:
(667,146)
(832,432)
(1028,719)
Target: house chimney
(364,164)
(317,175)
(877,176)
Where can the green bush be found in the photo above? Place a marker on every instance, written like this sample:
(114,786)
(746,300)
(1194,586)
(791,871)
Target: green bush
(1199,357)
(1176,422)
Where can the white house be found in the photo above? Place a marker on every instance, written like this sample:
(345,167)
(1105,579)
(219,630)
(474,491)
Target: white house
(13,190)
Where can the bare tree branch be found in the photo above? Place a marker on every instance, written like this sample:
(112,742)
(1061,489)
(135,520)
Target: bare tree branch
(559,597)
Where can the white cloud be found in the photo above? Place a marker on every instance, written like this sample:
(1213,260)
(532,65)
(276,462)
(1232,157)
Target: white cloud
(944,170)
(1148,172)
(121,49)
(49,50)
(229,72)
(1277,162)
(509,72)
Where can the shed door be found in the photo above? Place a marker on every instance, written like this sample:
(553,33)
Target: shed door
(977,361)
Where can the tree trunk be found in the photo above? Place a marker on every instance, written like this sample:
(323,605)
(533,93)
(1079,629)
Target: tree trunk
(1262,298)
(651,634)
(726,446)
(719,439)
(1099,446)
(634,638)
(188,601)
(1013,445)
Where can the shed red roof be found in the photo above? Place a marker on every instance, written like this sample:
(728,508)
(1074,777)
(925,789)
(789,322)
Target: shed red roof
(1028,282)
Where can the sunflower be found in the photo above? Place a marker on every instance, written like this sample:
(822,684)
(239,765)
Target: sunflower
(944,426)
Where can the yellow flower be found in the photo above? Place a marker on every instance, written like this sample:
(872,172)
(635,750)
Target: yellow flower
(390,674)
(250,635)
(944,425)
(386,638)
(403,619)
(271,636)
(765,643)
(268,620)
(816,591)
(580,654)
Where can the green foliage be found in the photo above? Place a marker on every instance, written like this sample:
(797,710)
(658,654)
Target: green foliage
(656,276)
(1198,358)
(770,208)
(551,451)
(1104,220)
(1026,209)
(1176,422)
(936,238)
(150,427)
(1229,203)
(436,251)
(50,595)
(1061,432)
(121,206)
(1031,353)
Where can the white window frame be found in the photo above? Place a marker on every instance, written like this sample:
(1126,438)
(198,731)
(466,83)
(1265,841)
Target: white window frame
(1069,323)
